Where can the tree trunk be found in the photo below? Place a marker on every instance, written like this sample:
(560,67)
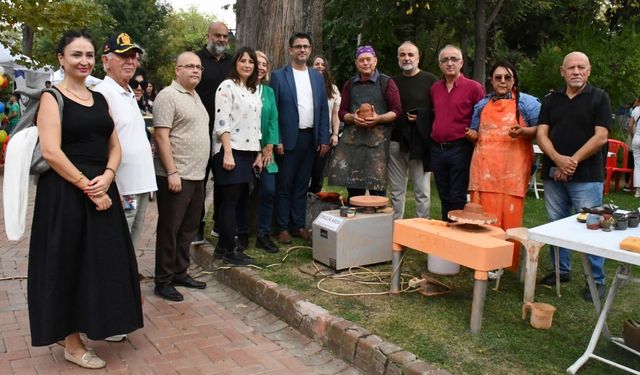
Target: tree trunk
(482,24)
(480,42)
(267,25)
(27,40)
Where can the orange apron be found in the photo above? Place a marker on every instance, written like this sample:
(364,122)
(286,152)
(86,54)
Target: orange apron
(501,167)
(500,164)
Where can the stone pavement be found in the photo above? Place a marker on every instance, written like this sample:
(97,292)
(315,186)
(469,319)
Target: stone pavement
(213,331)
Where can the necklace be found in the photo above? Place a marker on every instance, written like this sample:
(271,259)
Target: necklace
(76,95)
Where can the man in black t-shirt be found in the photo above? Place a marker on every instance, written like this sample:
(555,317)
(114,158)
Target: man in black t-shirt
(216,63)
(573,128)
(408,151)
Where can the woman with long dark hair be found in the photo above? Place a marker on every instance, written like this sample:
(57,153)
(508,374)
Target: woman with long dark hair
(237,147)
(83,275)
(333,95)
(504,123)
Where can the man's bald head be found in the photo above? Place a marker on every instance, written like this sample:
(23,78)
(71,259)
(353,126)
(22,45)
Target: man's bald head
(576,55)
(575,70)
(217,38)
(188,70)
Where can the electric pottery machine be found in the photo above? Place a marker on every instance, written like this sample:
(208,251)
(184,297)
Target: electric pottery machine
(354,236)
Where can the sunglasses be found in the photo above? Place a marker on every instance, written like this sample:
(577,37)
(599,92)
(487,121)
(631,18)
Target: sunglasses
(135,84)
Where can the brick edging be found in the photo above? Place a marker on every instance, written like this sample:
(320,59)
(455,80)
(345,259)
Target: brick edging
(346,339)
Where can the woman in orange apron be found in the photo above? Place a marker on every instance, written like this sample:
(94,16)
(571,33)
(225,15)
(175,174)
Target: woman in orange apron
(505,123)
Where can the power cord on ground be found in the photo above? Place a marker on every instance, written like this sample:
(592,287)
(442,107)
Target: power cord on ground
(364,277)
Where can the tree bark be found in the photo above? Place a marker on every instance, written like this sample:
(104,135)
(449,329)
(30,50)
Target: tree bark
(482,25)
(267,25)
(27,39)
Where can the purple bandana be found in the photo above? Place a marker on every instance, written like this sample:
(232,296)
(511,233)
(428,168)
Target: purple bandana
(365,49)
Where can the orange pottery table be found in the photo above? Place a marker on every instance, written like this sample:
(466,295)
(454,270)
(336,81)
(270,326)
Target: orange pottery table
(482,250)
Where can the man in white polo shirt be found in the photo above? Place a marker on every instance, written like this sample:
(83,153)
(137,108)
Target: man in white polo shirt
(135,176)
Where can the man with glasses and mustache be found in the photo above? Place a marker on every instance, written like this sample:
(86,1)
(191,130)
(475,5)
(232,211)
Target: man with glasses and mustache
(453,98)
(135,176)
(181,126)
(303,117)
(217,63)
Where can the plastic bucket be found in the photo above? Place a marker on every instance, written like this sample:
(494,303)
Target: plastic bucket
(441,266)
(541,314)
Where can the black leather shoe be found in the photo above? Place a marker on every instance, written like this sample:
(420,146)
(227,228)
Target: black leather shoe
(238,258)
(243,241)
(265,243)
(168,291)
(219,251)
(188,282)
(550,279)
(198,239)
(586,293)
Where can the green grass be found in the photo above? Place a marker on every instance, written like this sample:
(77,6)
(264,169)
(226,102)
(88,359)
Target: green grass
(437,328)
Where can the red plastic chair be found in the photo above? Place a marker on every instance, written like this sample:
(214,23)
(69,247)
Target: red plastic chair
(613,167)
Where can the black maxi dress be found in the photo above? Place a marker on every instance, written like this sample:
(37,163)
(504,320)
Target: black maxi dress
(83,275)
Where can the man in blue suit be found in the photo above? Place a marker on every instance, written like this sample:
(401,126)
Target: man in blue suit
(303,115)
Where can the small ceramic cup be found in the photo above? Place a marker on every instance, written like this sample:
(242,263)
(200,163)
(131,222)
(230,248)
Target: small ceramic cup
(593,221)
(344,210)
(351,212)
(622,223)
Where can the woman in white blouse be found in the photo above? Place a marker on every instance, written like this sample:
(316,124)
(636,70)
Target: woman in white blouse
(333,94)
(237,147)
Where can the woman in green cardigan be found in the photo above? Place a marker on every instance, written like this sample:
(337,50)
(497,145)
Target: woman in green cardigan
(270,137)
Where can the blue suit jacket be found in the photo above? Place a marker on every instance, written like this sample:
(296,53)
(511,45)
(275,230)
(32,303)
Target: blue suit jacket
(284,88)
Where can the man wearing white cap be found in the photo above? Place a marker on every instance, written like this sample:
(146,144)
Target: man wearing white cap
(135,176)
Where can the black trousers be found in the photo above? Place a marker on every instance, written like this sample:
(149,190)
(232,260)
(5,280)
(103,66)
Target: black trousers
(230,197)
(178,218)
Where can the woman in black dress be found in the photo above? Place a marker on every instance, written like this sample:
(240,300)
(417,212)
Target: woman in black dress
(83,275)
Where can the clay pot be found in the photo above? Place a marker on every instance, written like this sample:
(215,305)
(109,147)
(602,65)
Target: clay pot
(365,110)
(593,221)
(622,223)
(607,222)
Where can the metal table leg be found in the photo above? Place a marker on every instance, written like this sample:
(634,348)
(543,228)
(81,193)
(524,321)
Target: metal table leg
(601,325)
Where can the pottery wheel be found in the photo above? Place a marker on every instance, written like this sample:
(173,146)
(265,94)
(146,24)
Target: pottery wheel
(368,201)
(472,214)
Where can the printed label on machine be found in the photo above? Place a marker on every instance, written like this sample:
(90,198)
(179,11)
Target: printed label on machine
(329,221)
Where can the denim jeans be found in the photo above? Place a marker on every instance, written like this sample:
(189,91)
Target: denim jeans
(560,199)
(267,191)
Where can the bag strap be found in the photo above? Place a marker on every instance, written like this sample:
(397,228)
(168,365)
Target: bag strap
(58,96)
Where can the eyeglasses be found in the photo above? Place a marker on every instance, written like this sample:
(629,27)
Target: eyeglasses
(192,66)
(135,84)
(505,77)
(301,46)
(452,59)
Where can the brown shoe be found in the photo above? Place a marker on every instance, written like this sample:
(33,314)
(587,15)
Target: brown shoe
(284,237)
(303,233)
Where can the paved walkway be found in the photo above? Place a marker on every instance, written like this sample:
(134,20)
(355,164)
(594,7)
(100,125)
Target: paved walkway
(214,331)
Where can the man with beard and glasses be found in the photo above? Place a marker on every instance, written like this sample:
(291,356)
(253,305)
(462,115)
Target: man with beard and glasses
(216,62)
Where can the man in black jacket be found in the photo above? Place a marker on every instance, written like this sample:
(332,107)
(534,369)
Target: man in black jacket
(216,63)
(408,152)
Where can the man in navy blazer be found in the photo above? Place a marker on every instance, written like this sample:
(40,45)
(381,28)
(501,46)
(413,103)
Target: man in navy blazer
(303,116)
